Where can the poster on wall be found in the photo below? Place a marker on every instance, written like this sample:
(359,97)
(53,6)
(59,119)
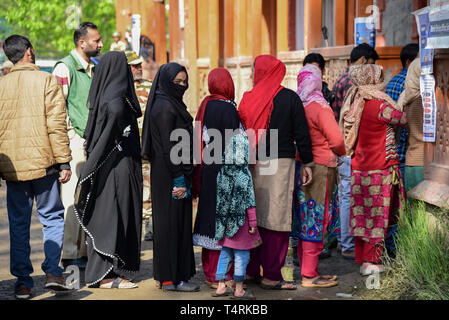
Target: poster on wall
(427,83)
(365,31)
(426,55)
(439,24)
(135,33)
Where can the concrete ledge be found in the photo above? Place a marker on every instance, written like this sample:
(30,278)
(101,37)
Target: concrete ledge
(431,192)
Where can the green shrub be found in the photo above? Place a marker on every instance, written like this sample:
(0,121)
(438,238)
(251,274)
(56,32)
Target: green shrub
(420,269)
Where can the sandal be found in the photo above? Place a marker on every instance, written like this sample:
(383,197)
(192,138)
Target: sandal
(278,286)
(329,277)
(315,283)
(212,285)
(246,296)
(228,292)
(118,283)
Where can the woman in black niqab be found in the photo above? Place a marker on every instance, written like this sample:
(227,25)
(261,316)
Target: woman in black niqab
(173,257)
(108,197)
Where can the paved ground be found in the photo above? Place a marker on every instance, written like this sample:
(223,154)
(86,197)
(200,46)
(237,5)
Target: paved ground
(346,270)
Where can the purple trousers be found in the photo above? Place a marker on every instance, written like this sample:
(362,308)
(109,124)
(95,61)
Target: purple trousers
(270,255)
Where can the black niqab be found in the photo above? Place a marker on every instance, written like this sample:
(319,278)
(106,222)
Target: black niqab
(163,85)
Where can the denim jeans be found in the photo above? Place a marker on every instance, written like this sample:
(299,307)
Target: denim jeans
(241,258)
(20,196)
(344,194)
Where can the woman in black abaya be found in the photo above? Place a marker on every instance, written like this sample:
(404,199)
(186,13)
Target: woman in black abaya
(173,257)
(108,198)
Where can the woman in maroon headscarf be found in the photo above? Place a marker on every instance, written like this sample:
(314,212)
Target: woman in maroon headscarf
(269,106)
(217,113)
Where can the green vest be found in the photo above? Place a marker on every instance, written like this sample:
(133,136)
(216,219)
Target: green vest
(78,93)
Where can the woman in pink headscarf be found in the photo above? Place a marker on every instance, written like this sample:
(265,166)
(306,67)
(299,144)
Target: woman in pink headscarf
(315,208)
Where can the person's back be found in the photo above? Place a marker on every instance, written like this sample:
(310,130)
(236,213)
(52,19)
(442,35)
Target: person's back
(28,143)
(34,161)
(288,118)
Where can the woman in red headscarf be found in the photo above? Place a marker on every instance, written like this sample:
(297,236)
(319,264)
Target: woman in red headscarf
(269,106)
(216,114)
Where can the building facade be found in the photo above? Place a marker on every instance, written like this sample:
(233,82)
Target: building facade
(205,34)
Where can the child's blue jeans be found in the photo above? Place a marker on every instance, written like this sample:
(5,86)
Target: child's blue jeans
(227,255)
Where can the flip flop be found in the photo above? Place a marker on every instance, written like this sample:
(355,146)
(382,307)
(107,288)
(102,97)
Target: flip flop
(246,296)
(277,286)
(329,277)
(227,293)
(315,283)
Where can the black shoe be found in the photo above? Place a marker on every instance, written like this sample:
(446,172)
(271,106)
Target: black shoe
(148,236)
(168,287)
(187,287)
(80,263)
(324,254)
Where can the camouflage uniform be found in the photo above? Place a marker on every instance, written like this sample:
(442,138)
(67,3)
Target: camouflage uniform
(142,88)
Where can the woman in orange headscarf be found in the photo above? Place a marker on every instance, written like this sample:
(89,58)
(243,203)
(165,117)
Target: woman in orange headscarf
(278,110)
(217,112)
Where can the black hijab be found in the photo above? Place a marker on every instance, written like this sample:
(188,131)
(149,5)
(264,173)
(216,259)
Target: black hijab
(112,79)
(163,86)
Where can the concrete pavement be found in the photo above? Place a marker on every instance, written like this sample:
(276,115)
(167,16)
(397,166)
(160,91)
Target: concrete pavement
(347,272)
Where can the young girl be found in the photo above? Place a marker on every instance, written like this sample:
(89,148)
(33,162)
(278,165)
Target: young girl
(236,223)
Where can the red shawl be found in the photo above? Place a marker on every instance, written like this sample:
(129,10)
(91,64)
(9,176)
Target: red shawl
(256,106)
(221,86)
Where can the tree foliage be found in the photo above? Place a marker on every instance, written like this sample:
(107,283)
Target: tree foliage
(49,24)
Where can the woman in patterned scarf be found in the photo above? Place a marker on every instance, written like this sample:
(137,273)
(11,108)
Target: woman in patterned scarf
(315,210)
(377,192)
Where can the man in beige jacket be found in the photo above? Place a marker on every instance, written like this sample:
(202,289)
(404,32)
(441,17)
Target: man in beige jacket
(34,160)
(411,102)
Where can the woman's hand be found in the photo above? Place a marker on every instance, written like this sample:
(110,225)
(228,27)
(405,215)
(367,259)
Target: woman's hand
(306,176)
(179,192)
(252,230)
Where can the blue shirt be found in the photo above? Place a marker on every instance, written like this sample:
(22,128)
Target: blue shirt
(394,90)
(396,85)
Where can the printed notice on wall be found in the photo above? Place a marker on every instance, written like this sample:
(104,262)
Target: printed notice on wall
(439,24)
(427,83)
(365,31)
(426,55)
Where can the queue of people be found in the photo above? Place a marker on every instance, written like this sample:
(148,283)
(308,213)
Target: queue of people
(312,165)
